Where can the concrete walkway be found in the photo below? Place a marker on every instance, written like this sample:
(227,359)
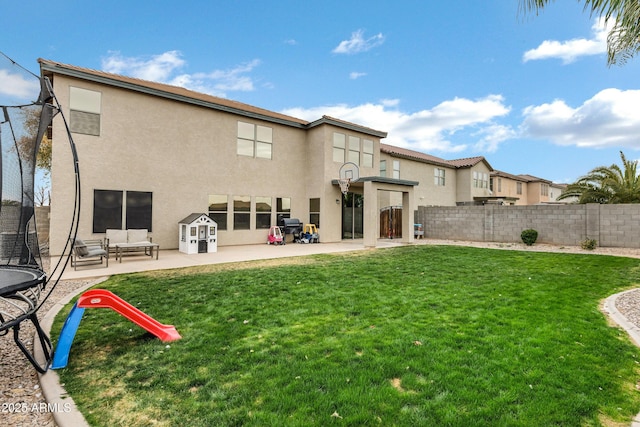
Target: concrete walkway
(174,259)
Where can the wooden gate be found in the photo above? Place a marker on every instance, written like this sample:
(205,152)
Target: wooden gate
(391,222)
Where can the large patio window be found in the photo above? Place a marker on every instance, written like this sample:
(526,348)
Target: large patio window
(241,212)
(218,206)
(109,206)
(283,208)
(263,212)
(107,210)
(139,209)
(314,211)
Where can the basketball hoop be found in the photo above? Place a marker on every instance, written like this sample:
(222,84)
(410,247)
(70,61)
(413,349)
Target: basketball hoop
(349,172)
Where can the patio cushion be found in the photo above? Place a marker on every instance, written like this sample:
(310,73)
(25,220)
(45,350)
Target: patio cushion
(116,236)
(137,235)
(81,248)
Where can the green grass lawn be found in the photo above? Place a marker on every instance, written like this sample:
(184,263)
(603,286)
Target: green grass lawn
(419,335)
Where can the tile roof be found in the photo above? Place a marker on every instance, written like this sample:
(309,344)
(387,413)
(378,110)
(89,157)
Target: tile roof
(414,155)
(185,95)
(162,89)
(427,158)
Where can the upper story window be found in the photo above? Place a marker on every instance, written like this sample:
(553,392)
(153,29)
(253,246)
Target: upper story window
(255,140)
(438,176)
(85,108)
(367,153)
(518,188)
(396,169)
(480,179)
(544,189)
(354,150)
(383,168)
(339,147)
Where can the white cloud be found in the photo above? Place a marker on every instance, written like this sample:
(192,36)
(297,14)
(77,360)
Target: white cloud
(608,119)
(356,75)
(571,50)
(164,68)
(357,43)
(425,130)
(16,87)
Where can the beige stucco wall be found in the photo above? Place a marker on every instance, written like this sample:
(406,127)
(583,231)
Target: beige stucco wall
(179,152)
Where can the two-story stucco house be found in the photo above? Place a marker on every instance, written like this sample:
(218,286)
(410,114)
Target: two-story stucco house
(151,154)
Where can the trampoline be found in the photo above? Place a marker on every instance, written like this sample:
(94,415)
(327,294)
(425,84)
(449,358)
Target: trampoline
(27,110)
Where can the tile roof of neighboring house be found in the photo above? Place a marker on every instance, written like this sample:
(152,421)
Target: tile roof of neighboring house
(427,158)
(531,178)
(469,161)
(414,155)
(508,175)
(178,93)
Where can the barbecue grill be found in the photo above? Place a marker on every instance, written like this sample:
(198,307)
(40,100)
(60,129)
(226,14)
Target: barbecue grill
(291,226)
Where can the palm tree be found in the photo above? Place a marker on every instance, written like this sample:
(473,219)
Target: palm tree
(623,42)
(607,184)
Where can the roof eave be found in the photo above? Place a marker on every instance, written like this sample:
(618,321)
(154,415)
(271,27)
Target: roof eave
(58,69)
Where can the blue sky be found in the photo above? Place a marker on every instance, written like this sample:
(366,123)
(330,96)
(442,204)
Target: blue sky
(532,94)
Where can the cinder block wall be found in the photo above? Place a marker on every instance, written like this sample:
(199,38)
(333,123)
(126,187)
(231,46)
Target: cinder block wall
(610,225)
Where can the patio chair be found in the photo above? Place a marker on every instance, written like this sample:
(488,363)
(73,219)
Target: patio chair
(87,252)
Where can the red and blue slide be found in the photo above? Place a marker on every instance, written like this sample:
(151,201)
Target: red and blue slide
(100,298)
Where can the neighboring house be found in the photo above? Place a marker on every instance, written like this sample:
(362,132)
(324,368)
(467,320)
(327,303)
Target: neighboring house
(524,189)
(442,182)
(151,154)
(510,189)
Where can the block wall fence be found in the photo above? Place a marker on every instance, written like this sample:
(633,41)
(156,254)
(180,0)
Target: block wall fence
(609,225)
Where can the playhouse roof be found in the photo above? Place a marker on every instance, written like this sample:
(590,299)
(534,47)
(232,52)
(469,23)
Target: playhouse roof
(194,217)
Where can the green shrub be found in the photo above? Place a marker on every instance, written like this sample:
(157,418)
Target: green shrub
(529,236)
(589,244)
